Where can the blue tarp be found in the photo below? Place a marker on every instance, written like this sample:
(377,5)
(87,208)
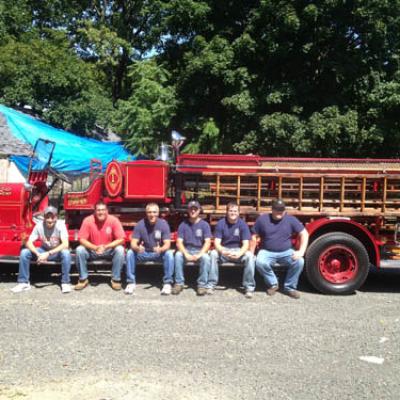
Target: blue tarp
(72,153)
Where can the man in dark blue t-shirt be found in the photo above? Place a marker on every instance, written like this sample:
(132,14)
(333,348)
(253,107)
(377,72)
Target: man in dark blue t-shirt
(231,241)
(151,241)
(275,231)
(193,243)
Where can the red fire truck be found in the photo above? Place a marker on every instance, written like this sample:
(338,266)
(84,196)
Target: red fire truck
(350,207)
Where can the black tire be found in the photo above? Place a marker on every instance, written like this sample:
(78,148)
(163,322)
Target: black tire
(343,251)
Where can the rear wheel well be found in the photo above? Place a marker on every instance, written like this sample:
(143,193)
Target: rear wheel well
(350,229)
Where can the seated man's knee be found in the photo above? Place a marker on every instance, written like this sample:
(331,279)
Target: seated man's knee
(262,262)
(119,250)
(131,256)
(169,254)
(214,254)
(179,255)
(65,254)
(300,262)
(205,257)
(25,253)
(81,250)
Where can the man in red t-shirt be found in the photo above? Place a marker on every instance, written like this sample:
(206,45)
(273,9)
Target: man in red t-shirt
(101,237)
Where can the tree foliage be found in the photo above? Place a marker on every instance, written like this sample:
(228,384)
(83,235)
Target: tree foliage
(146,115)
(287,77)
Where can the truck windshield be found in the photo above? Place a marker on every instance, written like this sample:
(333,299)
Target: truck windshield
(41,156)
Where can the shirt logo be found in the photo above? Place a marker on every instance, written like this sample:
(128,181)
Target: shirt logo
(236,232)
(199,233)
(108,230)
(157,235)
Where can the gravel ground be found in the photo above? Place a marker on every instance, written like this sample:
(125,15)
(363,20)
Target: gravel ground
(103,345)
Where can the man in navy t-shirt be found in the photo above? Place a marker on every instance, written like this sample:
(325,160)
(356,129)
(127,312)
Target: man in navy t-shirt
(231,240)
(193,243)
(275,231)
(151,241)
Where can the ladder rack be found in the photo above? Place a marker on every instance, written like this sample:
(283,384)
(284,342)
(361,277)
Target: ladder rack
(348,194)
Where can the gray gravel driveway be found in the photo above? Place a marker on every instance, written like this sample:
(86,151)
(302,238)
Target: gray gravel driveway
(101,344)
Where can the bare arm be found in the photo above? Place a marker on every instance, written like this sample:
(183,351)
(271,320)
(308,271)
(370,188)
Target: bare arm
(62,246)
(303,236)
(114,243)
(228,253)
(253,243)
(88,245)
(243,249)
(205,248)
(218,246)
(136,246)
(166,246)
(181,247)
(32,248)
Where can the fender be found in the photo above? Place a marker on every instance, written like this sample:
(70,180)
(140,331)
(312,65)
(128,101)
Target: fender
(343,224)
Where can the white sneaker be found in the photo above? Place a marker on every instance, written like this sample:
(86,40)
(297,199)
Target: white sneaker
(66,288)
(248,294)
(210,291)
(130,288)
(166,290)
(21,287)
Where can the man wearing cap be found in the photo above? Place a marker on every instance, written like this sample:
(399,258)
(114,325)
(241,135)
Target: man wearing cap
(101,236)
(193,243)
(53,236)
(231,241)
(275,231)
(151,241)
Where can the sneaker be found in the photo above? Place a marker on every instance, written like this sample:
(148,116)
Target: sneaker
(116,285)
(248,294)
(294,294)
(177,288)
(210,291)
(201,291)
(272,290)
(82,284)
(66,288)
(21,287)
(130,288)
(166,289)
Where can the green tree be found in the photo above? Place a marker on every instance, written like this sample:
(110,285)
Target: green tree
(277,72)
(47,75)
(145,118)
(288,77)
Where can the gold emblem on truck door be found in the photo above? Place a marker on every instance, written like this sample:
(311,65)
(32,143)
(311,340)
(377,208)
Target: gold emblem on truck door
(5,191)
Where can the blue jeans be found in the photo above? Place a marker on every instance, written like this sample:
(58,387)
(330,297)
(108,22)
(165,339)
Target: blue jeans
(83,255)
(248,260)
(266,259)
(25,260)
(167,259)
(204,263)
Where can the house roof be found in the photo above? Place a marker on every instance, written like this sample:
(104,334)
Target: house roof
(9,144)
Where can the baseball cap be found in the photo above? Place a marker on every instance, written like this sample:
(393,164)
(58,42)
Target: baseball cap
(278,205)
(50,210)
(194,203)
